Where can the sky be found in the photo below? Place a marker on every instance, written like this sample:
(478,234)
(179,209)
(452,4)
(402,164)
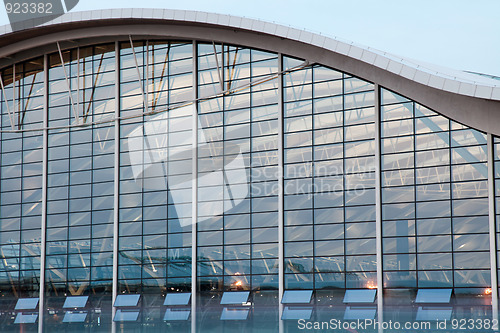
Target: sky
(458,34)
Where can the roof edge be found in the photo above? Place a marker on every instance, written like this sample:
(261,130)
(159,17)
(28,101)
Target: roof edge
(452,82)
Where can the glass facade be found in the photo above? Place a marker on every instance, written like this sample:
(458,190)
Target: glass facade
(329,183)
(181,184)
(434,185)
(80,164)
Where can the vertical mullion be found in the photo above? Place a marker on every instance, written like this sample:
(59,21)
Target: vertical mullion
(41,302)
(378,207)
(14,102)
(194,189)
(116,184)
(450,182)
(146,77)
(492,226)
(145,81)
(344,256)
(415,174)
(313,175)
(281,249)
(224,183)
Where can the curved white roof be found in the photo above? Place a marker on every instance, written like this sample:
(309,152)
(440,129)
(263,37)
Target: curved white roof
(454,81)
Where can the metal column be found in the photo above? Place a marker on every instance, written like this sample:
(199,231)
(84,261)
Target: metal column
(194,190)
(492,227)
(378,209)
(116,192)
(41,303)
(281,249)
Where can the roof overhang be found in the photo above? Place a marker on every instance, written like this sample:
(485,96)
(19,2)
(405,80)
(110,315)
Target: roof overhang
(476,104)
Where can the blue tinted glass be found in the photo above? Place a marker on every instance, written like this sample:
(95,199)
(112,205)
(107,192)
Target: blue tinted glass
(127,300)
(234,314)
(235,297)
(296,313)
(26,303)
(360,296)
(436,278)
(177,299)
(425,313)
(75,301)
(433,296)
(74,317)
(176,314)
(126,315)
(297,297)
(26,318)
(360,313)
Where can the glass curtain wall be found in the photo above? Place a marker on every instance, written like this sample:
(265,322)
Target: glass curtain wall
(329,184)
(80,177)
(434,205)
(155,202)
(433,173)
(496,156)
(237,181)
(21,169)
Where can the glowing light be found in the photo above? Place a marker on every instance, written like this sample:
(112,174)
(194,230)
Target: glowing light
(487,291)
(371,285)
(238,283)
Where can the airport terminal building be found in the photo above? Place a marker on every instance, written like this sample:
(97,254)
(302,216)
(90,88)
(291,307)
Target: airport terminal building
(183,171)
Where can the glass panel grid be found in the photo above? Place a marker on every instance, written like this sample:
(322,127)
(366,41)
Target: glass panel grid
(434,181)
(429,166)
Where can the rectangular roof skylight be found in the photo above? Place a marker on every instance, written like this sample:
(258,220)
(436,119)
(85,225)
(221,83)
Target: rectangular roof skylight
(364,312)
(75,302)
(426,313)
(26,303)
(360,296)
(26,318)
(234,314)
(177,299)
(127,300)
(74,317)
(122,315)
(296,313)
(234,297)
(172,314)
(297,297)
(433,296)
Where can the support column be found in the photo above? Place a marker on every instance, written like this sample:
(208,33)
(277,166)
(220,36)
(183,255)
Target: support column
(116,193)
(281,244)
(492,225)
(41,302)
(378,209)
(194,190)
